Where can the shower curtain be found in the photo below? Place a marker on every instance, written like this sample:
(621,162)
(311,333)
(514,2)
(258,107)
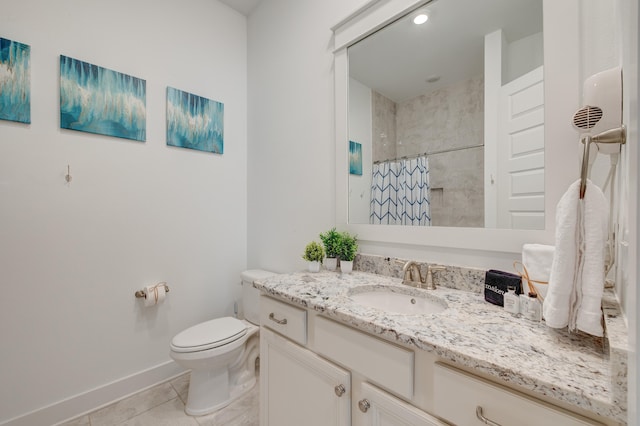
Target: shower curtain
(400,192)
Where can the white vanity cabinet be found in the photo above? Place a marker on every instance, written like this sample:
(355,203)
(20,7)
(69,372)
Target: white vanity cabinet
(379,408)
(311,385)
(316,371)
(298,387)
(465,399)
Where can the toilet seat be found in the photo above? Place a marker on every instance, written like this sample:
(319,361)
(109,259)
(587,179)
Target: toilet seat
(208,335)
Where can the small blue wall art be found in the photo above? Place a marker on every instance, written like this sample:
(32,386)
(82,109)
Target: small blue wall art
(98,100)
(194,122)
(355,158)
(15,81)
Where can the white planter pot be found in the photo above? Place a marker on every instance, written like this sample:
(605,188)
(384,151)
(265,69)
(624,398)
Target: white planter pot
(313,266)
(331,263)
(346,266)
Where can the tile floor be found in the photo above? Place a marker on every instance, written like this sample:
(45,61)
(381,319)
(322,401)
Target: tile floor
(164,405)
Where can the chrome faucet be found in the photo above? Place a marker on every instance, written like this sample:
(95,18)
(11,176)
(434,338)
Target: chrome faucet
(411,274)
(430,269)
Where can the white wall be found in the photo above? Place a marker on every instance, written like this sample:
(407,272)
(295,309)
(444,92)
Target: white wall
(291,164)
(360,129)
(72,255)
(610,38)
(626,19)
(523,55)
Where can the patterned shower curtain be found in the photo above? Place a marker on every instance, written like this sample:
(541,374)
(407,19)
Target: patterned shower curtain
(400,192)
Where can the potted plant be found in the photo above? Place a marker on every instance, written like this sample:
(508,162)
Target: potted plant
(347,251)
(331,241)
(313,254)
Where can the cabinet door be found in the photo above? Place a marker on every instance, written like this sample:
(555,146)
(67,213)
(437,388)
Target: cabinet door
(378,408)
(464,399)
(297,387)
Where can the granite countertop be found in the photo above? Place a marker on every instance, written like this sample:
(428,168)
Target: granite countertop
(574,369)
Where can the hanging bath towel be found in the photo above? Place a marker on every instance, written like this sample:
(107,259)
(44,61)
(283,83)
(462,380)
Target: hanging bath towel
(577,276)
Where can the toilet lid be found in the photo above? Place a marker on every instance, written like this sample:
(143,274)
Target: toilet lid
(209,335)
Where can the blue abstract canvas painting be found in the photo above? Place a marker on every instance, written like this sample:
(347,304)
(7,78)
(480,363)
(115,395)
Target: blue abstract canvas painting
(98,100)
(355,158)
(15,81)
(194,122)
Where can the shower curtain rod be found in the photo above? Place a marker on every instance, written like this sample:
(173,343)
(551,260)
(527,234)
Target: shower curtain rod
(430,153)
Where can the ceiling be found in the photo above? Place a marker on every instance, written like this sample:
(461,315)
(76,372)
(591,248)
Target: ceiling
(243,6)
(398,60)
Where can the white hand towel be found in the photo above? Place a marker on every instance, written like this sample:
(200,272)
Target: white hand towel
(563,268)
(537,259)
(576,279)
(596,223)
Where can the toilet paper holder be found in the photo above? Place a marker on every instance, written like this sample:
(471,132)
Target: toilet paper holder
(143,295)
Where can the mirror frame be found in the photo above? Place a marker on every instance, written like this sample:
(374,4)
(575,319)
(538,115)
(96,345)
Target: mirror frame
(562,93)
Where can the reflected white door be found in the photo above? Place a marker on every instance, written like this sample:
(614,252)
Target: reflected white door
(520,165)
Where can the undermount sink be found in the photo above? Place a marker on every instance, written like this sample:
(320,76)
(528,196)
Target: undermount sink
(387,300)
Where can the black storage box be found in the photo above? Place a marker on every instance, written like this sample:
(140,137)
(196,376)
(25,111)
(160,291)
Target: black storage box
(496,284)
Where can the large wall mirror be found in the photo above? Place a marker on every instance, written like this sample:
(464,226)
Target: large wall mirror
(499,155)
(446,117)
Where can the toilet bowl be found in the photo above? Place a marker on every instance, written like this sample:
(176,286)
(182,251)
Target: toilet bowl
(221,354)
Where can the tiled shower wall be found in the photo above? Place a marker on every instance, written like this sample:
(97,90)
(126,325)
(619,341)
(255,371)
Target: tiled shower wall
(445,119)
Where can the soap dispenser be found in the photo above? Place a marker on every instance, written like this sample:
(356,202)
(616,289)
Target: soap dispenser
(511,301)
(534,308)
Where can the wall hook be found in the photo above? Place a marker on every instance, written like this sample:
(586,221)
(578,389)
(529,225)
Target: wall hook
(68,177)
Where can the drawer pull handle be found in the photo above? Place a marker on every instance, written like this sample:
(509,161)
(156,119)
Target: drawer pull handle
(483,419)
(272,317)
(339,390)
(364,405)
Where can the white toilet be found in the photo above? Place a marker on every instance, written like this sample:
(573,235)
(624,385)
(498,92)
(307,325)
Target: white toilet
(221,353)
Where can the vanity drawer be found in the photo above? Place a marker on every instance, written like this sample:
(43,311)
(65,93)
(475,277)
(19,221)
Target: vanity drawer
(458,395)
(287,320)
(384,363)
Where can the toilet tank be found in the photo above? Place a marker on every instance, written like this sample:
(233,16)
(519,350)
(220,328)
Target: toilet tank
(251,295)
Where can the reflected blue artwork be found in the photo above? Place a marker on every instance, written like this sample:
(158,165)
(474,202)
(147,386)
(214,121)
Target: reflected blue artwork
(194,122)
(15,81)
(355,158)
(98,100)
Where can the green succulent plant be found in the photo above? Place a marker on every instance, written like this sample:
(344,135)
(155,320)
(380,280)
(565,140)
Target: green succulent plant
(348,247)
(331,241)
(313,252)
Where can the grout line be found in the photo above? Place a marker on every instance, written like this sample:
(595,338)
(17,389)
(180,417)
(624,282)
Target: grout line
(135,395)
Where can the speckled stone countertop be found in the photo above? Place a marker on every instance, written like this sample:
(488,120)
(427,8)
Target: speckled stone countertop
(472,333)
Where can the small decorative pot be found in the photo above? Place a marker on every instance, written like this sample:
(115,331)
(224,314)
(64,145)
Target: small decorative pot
(331,263)
(346,266)
(313,266)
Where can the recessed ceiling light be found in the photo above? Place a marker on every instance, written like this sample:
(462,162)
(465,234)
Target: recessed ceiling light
(420,19)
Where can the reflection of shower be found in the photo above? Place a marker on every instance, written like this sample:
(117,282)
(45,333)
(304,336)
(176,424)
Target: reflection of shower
(383,138)
(400,192)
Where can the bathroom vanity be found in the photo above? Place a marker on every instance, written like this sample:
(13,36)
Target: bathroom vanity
(329,357)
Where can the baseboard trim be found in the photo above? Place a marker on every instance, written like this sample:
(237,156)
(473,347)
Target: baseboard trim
(97,398)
